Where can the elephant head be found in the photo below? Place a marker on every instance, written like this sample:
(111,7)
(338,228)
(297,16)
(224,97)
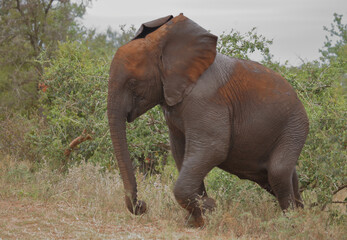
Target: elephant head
(159,66)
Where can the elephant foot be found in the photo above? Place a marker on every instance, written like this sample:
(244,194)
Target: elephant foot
(195,221)
(138,209)
(208,204)
(195,218)
(299,204)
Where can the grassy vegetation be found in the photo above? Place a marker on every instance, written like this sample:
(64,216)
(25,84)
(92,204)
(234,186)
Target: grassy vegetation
(87,202)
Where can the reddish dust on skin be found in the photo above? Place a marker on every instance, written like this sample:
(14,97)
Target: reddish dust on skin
(137,55)
(251,78)
(132,57)
(141,54)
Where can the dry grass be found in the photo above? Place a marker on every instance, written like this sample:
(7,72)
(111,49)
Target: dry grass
(87,203)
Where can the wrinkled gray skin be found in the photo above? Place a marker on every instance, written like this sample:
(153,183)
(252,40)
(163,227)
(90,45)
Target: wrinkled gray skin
(221,112)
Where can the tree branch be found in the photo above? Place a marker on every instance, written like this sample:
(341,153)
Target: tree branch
(339,189)
(80,139)
(48,7)
(18,7)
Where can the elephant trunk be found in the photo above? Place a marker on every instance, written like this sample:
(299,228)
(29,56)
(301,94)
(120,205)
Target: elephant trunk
(117,123)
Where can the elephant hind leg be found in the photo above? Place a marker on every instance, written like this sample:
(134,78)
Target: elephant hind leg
(282,175)
(298,200)
(267,187)
(281,184)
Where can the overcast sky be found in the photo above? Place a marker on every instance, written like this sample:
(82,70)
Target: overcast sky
(296,26)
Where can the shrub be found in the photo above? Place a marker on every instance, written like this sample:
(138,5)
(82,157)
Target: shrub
(322,165)
(74,101)
(74,98)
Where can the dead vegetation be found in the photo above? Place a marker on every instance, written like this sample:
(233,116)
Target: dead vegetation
(87,203)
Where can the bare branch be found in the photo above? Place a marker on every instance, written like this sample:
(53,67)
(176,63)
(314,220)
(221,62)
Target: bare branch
(80,139)
(340,188)
(339,202)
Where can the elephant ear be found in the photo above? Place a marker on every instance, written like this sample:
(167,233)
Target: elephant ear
(188,50)
(149,27)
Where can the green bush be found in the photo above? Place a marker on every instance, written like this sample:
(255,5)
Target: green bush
(238,45)
(148,140)
(323,161)
(74,104)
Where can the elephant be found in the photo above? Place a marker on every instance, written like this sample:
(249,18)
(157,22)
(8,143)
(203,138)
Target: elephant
(234,114)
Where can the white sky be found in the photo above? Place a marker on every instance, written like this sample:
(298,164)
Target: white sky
(296,26)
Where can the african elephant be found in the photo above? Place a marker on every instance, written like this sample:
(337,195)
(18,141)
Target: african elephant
(221,112)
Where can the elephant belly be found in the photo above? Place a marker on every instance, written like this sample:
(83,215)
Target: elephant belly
(245,166)
(251,145)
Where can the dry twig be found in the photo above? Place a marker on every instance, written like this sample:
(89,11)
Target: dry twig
(80,139)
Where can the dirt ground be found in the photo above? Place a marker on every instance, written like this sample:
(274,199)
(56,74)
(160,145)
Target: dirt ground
(30,219)
(27,219)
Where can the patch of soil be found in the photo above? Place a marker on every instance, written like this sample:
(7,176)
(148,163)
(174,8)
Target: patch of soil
(29,219)
(34,219)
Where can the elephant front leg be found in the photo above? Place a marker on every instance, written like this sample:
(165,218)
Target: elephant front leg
(177,142)
(207,141)
(189,194)
(189,189)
